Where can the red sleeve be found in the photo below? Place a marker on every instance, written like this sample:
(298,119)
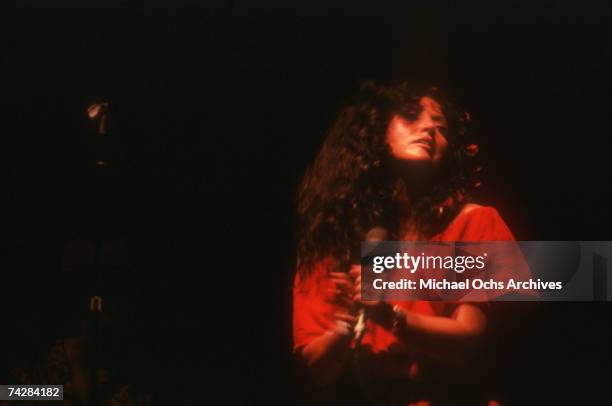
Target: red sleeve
(497,230)
(480,224)
(312,309)
(484,223)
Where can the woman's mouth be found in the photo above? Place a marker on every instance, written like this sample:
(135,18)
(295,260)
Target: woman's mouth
(424,144)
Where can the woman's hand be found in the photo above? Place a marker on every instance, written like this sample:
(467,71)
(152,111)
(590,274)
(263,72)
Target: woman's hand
(341,290)
(377,311)
(327,354)
(453,340)
(355,274)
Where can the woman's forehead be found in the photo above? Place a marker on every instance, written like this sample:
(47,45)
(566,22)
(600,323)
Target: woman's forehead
(431,104)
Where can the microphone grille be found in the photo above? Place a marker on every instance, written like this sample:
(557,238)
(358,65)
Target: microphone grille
(377,234)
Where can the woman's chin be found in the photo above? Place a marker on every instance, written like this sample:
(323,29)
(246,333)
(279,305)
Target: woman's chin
(416,157)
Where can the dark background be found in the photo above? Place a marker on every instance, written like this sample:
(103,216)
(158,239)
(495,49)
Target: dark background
(216,109)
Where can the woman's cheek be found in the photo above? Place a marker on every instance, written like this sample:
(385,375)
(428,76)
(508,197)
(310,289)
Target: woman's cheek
(441,148)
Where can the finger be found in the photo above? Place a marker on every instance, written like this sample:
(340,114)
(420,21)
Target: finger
(345,285)
(345,317)
(341,275)
(369,303)
(342,328)
(355,271)
(345,301)
(357,286)
(340,297)
(336,293)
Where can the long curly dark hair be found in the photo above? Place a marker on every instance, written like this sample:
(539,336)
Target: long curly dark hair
(352,185)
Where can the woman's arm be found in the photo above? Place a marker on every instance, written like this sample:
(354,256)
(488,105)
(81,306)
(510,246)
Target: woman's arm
(326,355)
(447,339)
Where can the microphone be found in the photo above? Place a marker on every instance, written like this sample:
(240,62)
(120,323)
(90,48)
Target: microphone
(375,234)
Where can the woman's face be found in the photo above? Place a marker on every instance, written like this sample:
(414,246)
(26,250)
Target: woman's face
(421,140)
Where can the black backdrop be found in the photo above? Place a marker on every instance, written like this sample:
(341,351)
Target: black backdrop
(217,108)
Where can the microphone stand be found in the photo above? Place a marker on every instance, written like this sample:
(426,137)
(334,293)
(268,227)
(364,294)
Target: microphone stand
(96,111)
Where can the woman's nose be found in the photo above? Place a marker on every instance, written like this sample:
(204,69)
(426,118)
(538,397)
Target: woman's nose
(428,125)
(429,129)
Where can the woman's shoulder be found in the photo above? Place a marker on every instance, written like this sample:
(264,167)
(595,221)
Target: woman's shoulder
(477,222)
(474,213)
(475,208)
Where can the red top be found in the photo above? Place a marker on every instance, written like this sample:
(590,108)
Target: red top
(312,309)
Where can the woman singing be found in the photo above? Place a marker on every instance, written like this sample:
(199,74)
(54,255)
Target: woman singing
(397,157)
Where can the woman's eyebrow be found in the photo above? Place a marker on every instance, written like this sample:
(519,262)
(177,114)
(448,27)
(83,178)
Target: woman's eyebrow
(438,118)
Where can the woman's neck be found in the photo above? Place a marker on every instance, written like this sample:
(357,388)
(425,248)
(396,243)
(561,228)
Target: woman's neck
(415,182)
(417,178)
